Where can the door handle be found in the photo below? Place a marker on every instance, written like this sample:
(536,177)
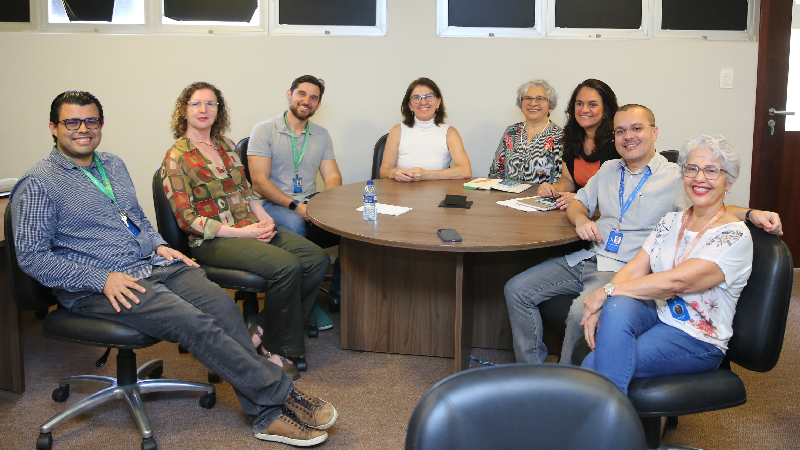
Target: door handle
(773,112)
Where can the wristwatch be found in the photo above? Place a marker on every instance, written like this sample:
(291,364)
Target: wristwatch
(747,216)
(292,206)
(609,288)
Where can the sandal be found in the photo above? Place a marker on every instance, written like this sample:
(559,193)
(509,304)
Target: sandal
(287,365)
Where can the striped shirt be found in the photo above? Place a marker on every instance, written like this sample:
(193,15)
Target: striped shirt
(69,235)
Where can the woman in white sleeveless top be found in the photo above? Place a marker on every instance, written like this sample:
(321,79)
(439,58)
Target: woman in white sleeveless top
(423,147)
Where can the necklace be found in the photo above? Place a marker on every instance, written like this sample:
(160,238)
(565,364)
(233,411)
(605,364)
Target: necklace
(540,131)
(199,142)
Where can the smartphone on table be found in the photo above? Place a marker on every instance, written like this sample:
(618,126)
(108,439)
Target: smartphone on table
(449,235)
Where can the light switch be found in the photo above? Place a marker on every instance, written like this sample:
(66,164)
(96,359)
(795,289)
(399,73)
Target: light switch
(726,79)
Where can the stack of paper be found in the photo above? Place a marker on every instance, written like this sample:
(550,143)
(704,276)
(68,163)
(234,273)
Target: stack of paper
(527,204)
(494,183)
(389,209)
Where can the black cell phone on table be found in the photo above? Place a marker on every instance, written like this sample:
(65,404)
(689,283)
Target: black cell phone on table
(449,235)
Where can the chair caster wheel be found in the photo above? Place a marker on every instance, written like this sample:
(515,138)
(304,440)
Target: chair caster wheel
(149,444)
(156,373)
(334,307)
(313,333)
(44,441)
(208,401)
(60,394)
(214,378)
(301,364)
(182,350)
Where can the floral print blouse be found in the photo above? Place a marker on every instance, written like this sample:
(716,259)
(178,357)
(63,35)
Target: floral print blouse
(203,196)
(537,162)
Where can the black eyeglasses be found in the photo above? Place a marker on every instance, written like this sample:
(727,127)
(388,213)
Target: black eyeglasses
(92,123)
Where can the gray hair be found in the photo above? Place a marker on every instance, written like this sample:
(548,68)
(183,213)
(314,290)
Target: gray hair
(552,97)
(721,150)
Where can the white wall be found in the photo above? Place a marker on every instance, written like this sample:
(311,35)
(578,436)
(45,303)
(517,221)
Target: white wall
(138,77)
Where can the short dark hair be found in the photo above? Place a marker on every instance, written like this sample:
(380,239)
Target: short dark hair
(574,134)
(408,115)
(80,98)
(179,123)
(318,82)
(647,111)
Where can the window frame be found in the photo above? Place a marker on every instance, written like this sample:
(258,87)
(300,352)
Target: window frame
(750,34)
(379,30)
(643,32)
(24,26)
(443,28)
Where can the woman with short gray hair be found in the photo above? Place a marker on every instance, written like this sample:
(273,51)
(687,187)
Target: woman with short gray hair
(531,151)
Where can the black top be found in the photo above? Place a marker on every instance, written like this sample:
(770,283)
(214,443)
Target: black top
(608,152)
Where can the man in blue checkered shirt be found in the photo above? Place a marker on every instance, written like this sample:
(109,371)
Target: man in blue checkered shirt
(79,229)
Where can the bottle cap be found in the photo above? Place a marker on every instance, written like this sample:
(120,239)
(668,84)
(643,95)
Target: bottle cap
(369,182)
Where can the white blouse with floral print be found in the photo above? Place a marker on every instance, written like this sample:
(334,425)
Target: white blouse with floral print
(710,311)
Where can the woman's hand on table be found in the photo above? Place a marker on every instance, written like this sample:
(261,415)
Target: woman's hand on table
(405,175)
(547,190)
(564,199)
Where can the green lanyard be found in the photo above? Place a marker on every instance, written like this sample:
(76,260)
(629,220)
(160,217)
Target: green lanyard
(105,187)
(294,145)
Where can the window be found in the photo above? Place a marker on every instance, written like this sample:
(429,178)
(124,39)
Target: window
(211,16)
(481,18)
(325,17)
(596,19)
(707,19)
(15,12)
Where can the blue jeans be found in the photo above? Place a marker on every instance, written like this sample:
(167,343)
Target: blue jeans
(293,221)
(540,283)
(633,343)
(181,305)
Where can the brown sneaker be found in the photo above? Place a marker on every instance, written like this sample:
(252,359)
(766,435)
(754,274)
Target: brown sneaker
(312,411)
(286,429)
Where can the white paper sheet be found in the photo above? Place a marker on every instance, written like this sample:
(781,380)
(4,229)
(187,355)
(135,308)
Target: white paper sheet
(390,210)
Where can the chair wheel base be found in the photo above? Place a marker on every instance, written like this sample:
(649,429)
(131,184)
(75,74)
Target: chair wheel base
(60,394)
(313,333)
(149,444)
(182,350)
(156,373)
(334,307)
(208,401)
(214,378)
(44,441)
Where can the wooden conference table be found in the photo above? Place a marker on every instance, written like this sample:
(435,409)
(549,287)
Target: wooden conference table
(406,291)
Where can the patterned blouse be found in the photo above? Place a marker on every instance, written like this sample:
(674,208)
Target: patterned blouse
(537,162)
(709,313)
(203,196)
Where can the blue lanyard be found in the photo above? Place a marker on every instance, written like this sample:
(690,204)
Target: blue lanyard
(624,208)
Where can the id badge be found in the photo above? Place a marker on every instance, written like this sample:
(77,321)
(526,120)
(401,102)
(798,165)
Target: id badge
(613,241)
(298,185)
(678,308)
(129,225)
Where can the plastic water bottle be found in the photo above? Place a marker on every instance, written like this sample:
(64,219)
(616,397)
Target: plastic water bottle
(370,202)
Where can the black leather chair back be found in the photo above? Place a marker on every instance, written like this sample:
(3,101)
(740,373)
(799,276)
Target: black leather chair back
(671,155)
(27,292)
(763,306)
(525,406)
(241,149)
(165,220)
(377,157)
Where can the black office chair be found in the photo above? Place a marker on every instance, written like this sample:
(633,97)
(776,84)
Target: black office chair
(315,234)
(377,156)
(129,383)
(525,406)
(554,312)
(758,329)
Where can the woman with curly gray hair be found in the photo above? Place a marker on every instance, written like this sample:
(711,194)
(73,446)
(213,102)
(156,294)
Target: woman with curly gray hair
(531,151)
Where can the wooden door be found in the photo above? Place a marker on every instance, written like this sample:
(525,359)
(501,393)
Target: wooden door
(775,183)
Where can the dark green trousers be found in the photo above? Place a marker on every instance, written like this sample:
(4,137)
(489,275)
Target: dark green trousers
(294,267)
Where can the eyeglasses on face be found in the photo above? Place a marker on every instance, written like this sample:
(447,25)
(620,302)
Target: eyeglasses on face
(430,96)
(211,106)
(537,99)
(636,129)
(711,172)
(92,123)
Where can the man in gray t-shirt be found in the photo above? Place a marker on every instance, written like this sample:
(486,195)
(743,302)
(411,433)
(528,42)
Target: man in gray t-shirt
(285,153)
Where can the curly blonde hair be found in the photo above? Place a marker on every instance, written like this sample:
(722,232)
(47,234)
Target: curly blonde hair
(221,123)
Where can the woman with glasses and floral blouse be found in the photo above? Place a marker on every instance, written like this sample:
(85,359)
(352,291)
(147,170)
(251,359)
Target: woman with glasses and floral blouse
(530,151)
(670,310)
(423,147)
(215,205)
(588,139)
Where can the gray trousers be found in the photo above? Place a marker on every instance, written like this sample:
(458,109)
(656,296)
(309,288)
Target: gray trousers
(295,268)
(540,283)
(182,306)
